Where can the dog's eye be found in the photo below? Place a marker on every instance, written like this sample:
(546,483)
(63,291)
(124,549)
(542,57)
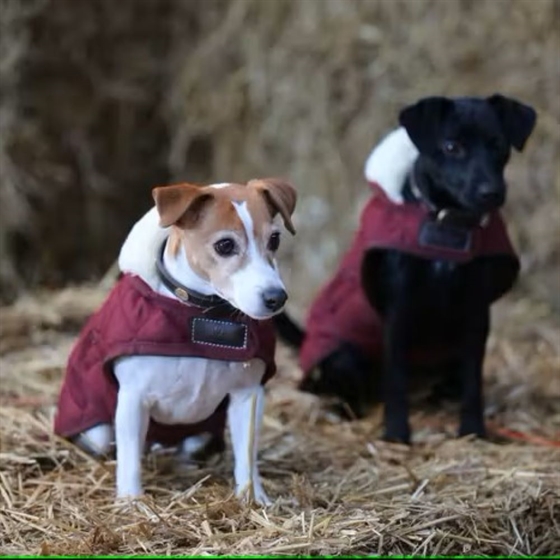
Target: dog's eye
(453,148)
(225,247)
(274,242)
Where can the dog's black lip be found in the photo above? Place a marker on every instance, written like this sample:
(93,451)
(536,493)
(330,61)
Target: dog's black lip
(473,206)
(482,209)
(469,213)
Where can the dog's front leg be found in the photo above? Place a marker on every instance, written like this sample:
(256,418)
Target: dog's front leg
(131,426)
(245,412)
(477,325)
(395,376)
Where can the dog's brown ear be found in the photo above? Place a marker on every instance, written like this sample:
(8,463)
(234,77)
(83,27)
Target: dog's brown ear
(280,196)
(180,204)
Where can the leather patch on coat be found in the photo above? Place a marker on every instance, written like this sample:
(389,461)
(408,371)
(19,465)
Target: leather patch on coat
(224,334)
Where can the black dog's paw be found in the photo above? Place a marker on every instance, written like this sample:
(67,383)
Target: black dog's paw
(345,408)
(397,433)
(403,440)
(472,428)
(347,376)
(311,383)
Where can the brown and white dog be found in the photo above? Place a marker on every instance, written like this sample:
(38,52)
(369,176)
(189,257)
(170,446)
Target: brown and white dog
(184,339)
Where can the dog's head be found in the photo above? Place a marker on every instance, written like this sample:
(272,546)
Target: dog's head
(464,145)
(229,236)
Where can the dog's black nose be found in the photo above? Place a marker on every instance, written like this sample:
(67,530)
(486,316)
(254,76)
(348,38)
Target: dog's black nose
(490,194)
(274,298)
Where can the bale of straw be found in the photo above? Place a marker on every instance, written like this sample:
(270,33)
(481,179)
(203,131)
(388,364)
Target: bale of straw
(103,100)
(82,142)
(338,489)
(307,88)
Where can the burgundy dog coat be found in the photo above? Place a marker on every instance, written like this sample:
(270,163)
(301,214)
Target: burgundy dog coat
(341,312)
(135,320)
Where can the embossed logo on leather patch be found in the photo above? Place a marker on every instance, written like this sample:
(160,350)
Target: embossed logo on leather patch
(444,236)
(223,334)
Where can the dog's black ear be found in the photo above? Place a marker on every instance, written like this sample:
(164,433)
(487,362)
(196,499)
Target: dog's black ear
(517,119)
(423,120)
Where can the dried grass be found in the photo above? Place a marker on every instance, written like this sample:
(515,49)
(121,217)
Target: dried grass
(102,100)
(339,489)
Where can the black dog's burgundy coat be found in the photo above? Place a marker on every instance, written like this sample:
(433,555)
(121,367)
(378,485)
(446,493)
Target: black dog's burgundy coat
(341,313)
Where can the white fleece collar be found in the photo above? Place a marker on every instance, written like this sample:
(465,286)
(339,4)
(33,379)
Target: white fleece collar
(140,249)
(390,162)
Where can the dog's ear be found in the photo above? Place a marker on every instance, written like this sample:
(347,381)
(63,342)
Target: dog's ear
(422,121)
(517,119)
(182,204)
(280,196)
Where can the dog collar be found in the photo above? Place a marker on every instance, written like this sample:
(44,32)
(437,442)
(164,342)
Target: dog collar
(450,216)
(186,295)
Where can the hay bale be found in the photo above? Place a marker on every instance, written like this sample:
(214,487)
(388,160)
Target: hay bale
(109,99)
(102,100)
(307,88)
(82,142)
(339,490)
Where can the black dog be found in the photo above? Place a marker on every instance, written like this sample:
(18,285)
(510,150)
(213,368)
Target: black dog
(463,147)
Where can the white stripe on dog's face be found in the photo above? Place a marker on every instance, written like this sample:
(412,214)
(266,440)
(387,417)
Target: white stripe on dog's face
(259,273)
(237,218)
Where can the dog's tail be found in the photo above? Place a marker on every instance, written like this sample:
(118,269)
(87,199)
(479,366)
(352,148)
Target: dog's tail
(291,333)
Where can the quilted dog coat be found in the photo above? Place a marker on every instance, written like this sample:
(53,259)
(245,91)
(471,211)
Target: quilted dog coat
(136,320)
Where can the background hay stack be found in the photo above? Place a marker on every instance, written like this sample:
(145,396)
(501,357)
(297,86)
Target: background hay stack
(103,100)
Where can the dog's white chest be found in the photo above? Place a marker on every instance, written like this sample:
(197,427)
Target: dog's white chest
(184,390)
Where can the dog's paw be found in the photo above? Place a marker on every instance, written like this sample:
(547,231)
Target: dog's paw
(476,429)
(392,438)
(129,505)
(131,493)
(125,504)
(253,493)
(397,433)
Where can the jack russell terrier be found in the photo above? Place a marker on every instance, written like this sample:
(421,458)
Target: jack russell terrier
(184,341)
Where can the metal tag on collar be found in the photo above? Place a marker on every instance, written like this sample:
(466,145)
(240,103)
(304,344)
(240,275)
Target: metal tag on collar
(442,214)
(484,221)
(181,294)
